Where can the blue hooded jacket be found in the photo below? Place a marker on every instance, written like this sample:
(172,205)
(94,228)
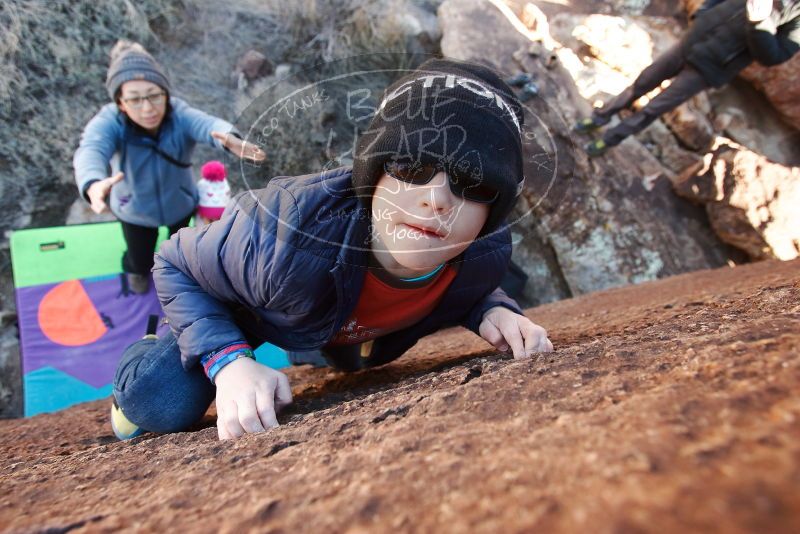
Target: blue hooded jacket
(159,187)
(286,264)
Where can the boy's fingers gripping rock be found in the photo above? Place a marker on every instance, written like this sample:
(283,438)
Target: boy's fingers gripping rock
(532,339)
(283,392)
(266,407)
(536,338)
(492,334)
(226,414)
(510,330)
(249,416)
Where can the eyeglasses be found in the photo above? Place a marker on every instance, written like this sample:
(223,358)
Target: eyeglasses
(155,99)
(466,186)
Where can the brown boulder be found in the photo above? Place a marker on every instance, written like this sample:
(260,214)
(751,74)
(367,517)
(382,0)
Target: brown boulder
(751,202)
(689,123)
(780,85)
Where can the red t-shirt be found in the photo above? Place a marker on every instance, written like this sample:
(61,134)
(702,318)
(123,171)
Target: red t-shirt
(384,307)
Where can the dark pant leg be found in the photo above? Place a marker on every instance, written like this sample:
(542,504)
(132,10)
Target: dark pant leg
(155,392)
(664,67)
(141,243)
(183,223)
(684,86)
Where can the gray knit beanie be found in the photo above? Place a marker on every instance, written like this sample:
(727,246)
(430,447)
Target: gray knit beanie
(130,61)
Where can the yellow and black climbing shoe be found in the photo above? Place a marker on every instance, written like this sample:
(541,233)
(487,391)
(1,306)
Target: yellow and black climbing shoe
(123,428)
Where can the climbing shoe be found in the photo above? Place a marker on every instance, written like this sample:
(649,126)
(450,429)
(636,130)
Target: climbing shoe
(122,427)
(589,125)
(596,148)
(529,90)
(519,80)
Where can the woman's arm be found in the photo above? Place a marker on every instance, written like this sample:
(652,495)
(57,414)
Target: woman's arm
(99,141)
(205,128)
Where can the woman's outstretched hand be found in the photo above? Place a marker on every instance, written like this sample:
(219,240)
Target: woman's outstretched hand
(242,149)
(100,189)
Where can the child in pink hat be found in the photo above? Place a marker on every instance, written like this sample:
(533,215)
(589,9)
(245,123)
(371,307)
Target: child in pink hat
(214,192)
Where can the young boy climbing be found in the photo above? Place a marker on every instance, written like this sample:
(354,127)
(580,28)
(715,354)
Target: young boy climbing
(358,263)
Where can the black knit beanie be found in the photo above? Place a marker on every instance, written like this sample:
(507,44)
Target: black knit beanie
(129,61)
(458,115)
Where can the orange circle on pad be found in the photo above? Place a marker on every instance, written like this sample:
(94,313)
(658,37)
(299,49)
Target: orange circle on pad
(68,317)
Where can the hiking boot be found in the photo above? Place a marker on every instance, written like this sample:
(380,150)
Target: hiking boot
(122,427)
(529,90)
(138,283)
(519,80)
(596,148)
(589,124)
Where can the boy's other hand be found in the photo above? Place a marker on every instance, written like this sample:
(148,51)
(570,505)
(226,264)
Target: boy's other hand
(242,149)
(249,396)
(100,189)
(506,330)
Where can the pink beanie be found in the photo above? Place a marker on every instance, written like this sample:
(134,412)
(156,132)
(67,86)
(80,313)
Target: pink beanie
(213,171)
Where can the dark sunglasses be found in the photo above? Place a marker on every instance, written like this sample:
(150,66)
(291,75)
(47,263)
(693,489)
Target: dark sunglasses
(464,186)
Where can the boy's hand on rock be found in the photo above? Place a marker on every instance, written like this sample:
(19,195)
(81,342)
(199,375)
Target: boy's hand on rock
(506,330)
(242,149)
(249,395)
(758,10)
(100,189)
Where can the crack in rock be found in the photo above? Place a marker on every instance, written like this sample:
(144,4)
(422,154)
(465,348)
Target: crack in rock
(472,373)
(401,411)
(278,447)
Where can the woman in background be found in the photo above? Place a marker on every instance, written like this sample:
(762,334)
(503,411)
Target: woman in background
(138,149)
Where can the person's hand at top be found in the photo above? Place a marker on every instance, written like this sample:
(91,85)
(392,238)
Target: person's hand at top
(758,10)
(249,397)
(507,330)
(242,149)
(100,189)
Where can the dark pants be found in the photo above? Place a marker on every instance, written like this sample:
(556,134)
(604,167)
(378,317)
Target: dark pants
(141,243)
(686,82)
(155,392)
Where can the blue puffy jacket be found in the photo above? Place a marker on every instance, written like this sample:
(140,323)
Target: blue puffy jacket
(159,187)
(286,264)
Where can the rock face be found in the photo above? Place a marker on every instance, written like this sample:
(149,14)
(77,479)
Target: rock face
(654,391)
(779,84)
(752,203)
(603,222)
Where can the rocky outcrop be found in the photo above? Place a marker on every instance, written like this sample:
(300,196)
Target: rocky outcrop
(780,85)
(610,51)
(751,202)
(606,222)
(671,404)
